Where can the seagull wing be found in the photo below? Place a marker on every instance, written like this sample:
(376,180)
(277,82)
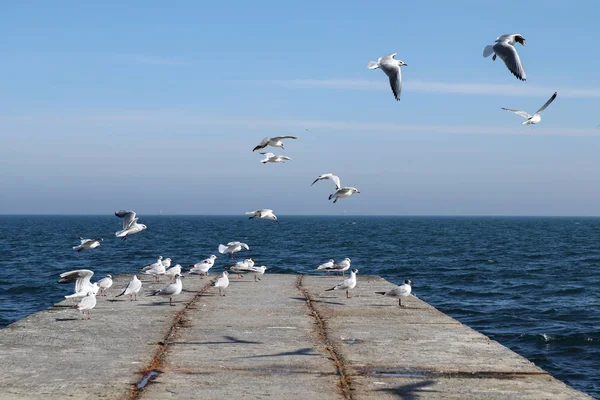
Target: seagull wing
(393,72)
(262,144)
(128,218)
(81,277)
(276,138)
(336,180)
(547,103)
(386,58)
(509,55)
(518,112)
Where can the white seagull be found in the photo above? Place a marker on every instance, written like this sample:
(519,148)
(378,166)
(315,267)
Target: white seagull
(272,158)
(172,289)
(274,142)
(264,213)
(333,177)
(222,283)
(399,291)
(155,269)
(257,271)
(203,266)
(81,277)
(343,192)
(172,272)
(132,288)
(86,304)
(342,266)
(241,266)
(535,118)
(232,247)
(87,244)
(130,225)
(104,284)
(326,266)
(347,284)
(391,68)
(166,262)
(505,49)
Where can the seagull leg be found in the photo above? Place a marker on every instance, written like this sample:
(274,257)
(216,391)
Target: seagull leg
(347,296)
(400,302)
(171,301)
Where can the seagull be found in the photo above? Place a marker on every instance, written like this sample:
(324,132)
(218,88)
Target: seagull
(172,272)
(327,266)
(399,291)
(81,277)
(172,289)
(155,269)
(274,142)
(264,213)
(104,284)
(530,120)
(241,266)
(333,177)
(222,283)
(130,225)
(272,158)
(347,284)
(166,262)
(232,247)
(257,271)
(342,266)
(343,192)
(87,303)
(505,49)
(203,266)
(132,288)
(87,244)
(391,68)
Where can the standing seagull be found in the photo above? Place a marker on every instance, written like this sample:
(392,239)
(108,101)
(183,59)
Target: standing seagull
(104,284)
(222,283)
(87,303)
(132,288)
(327,266)
(347,284)
(343,192)
(274,142)
(272,158)
(333,177)
(391,68)
(264,213)
(130,225)
(232,247)
(173,289)
(536,117)
(87,244)
(505,49)
(203,266)
(399,291)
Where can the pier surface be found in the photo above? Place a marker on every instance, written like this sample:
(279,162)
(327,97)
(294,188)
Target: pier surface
(282,337)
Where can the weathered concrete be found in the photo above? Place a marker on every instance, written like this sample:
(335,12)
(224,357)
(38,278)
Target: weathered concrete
(282,337)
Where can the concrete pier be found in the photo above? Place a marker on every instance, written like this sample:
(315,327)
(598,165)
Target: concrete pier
(281,338)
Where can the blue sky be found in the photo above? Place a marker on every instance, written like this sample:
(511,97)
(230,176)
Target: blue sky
(156,106)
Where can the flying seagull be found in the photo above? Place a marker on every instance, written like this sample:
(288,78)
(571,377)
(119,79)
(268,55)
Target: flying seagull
(535,118)
(505,49)
(274,142)
(81,277)
(130,225)
(232,247)
(87,244)
(272,158)
(343,192)
(399,291)
(264,213)
(333,177)
(391,68)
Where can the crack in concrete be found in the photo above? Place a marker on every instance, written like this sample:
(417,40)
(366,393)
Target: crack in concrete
(153,369)
(345,383)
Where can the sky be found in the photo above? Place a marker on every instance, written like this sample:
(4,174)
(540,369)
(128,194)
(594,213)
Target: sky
(156,106)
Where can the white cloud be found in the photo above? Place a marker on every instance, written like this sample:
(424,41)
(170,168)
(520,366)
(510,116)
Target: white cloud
(523,89)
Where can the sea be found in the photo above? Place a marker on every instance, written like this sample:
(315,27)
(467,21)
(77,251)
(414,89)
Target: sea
(532,284)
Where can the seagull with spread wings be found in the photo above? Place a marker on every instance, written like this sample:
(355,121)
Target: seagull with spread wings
(505,49)
(333,177)
(535,118)
(273,141)
(130,225)
(391,67)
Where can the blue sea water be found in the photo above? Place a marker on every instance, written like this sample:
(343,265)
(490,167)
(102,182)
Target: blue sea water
(533,284)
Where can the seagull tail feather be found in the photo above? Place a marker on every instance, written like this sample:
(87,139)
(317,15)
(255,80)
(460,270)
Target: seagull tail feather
(488,51)
(372,65)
